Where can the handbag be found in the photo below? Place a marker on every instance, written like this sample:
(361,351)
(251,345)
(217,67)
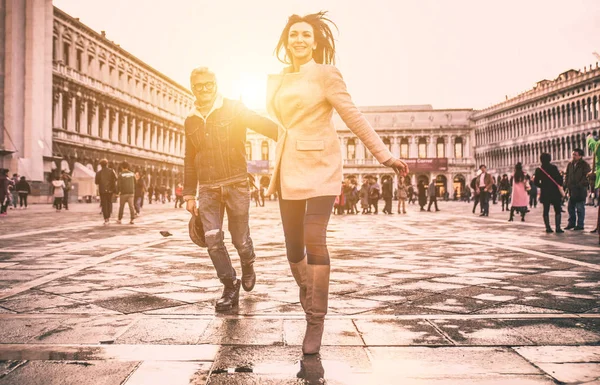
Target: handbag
(561,190)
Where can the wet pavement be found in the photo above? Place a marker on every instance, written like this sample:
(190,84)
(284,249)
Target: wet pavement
(421,298)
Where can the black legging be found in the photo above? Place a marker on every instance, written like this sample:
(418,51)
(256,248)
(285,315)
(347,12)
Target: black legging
(556,205)
(23,199)
(305,226)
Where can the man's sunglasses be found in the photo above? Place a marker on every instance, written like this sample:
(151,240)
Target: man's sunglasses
(209,86)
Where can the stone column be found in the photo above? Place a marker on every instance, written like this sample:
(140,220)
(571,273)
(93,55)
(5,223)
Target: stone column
(103,117)
(449,140)
(83,117)
(431,144)
(161,139)
(95,115)
(360,152)
(147,128)
(395,141)
(124,128)
(467,146)
(58,109)
(344,149)
(72,111)
(413,145)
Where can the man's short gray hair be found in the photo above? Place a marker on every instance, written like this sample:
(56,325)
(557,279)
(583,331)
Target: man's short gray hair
(200,71)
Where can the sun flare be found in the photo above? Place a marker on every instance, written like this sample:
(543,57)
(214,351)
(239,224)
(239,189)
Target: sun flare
(252,90)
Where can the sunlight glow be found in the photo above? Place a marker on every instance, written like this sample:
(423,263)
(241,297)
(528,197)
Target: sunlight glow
(252,89)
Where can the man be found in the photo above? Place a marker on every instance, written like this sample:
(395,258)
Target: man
(577,183)
(475,191)
(126,191)
(106,181)
(13,191)
(387,193)
(140,190)
(484,185)
(67,179)
(593,143)
(431,191)
(374,194)
(215,169)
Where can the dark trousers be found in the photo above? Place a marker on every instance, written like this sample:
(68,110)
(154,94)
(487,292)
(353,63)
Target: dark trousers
(432,200)
(58,202)
(475,202)
(106,204)
(126,199)
(65,200)
(305,228)
(505,199)
(4,205)
(388,205)
(484,200)
(212,203)
(138,202)
(375,204)
(179,199)
(23,199)
(532,200)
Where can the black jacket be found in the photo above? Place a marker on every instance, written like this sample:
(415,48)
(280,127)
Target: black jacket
(215,151)
(106,181)
(549,190)
(576,180)
(23,186)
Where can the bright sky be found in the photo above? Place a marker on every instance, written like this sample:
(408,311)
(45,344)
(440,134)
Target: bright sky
(451,54)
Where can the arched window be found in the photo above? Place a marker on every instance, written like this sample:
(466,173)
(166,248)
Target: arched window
(404,153)
(458,148)
(387,143)
(264,150)
(422,148)
(440,148)
(351,149)
(248,150)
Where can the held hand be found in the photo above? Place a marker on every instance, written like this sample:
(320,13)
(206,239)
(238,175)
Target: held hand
(400,167)
(190,206)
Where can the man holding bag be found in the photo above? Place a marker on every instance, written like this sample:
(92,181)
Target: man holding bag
(577,184)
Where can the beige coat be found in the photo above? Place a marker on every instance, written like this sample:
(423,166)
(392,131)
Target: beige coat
(308,160)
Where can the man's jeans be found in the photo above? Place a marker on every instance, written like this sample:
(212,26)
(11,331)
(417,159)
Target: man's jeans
(579,209)
(212,203)
(484,200)
(126,198)
(106,204)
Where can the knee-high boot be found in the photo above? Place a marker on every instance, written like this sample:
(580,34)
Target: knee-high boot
(299,273)
(317,294)
(547,223)
(557,219)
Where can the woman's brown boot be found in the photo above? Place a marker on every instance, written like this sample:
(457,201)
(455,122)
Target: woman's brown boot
(317,293)
(299,273)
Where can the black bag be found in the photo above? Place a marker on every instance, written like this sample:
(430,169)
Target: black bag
(197,231)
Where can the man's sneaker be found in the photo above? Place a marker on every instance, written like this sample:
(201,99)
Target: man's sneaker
(577,228)
(570,227)
(118,221)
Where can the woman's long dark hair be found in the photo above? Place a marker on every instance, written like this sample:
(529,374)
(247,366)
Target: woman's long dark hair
(519,174)
(325,51)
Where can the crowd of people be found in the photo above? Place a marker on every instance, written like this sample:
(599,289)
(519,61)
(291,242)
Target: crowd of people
(13,192)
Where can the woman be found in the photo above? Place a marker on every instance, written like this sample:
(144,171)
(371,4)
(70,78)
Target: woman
(402,195)
(23,189)
(548,179)
(59,192)
(520,188)
(308,164)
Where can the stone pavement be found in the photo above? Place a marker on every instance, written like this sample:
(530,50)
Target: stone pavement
(422,298)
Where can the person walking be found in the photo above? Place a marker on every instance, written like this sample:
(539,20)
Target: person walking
(519,197)
(422,194)
(533,193)
(68,187)
(126,191)
(216,179)
(14,195)
(364,197)
(106,179)
(23,189)
(505,191)
(179,195)
(374,195)
(431,191)
(593,144)
(4,192)
(308,164)
(411,194)
(58,186)
(150,193)
(387,193)
(402,195)
(577,185)
(550,181)
(475,191)
(484,185)
(140,191)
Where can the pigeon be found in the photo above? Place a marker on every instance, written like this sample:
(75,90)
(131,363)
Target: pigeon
(165,233)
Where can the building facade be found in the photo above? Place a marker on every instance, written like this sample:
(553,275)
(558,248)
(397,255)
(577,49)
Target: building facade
(435,143)
(98,101)
(554,117)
